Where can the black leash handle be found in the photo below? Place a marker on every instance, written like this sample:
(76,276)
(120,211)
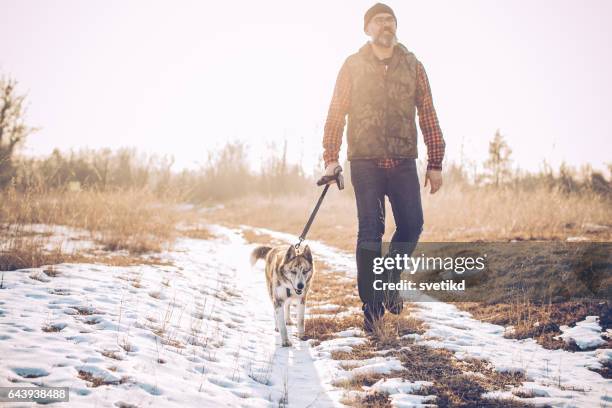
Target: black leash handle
(337,176)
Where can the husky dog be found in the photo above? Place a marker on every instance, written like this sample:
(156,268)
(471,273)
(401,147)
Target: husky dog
(288,275)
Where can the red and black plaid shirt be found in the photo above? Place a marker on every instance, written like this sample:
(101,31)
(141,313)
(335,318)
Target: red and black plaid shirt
(428,120)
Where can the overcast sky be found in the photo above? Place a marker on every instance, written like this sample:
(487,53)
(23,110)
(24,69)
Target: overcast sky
(184,77)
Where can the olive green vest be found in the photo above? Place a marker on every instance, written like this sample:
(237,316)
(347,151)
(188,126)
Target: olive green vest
(381,118)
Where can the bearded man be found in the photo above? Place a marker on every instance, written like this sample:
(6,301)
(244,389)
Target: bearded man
(380,89)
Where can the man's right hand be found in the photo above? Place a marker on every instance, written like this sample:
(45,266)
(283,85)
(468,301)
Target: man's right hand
(330,171)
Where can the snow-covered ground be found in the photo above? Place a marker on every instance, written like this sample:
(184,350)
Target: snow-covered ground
(201,333)
(53,237)
(586,334)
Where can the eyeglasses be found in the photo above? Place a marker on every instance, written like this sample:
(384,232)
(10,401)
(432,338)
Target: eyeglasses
(384,20)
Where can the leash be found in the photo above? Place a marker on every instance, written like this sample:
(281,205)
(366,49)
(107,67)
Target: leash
(339,179)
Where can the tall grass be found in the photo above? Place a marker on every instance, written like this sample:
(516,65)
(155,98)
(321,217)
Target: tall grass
(28,252)
(134,220)
(452,214)
(512,212)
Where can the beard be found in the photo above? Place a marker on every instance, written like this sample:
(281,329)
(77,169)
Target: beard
(386,38)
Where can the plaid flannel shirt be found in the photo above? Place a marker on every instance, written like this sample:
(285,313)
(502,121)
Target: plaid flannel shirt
(428,121)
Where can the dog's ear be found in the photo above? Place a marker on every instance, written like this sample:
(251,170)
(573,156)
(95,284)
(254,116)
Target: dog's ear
(290,254)
(307,254)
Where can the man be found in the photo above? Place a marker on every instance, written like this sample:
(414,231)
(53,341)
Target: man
(380,88)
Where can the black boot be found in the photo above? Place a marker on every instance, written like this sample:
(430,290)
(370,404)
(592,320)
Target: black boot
(372,313)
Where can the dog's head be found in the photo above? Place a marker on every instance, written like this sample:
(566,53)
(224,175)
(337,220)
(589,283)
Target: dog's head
(297,268)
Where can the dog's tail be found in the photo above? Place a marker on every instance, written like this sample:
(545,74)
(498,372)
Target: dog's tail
(259,253)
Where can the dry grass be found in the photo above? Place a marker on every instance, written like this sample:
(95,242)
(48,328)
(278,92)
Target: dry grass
(131,222)
(29,252)
(197,233)
(437,365)
(256,237)
(388,331)
(333,287)
(358,352)
(139,222)
(452,214)
(356,382)
(324,328)
(374,400)
(135,220)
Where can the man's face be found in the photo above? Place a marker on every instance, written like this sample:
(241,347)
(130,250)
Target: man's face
(381,30)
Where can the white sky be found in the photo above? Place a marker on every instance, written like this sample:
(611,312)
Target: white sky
(183,77)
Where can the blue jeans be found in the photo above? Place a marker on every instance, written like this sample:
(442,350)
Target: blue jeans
(371,184)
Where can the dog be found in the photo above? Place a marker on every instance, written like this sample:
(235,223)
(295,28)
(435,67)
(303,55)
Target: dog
(288,277)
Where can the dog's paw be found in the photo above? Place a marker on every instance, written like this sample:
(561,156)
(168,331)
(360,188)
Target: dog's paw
(286,343)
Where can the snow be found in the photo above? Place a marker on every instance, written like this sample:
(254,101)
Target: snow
(586,334)
(344,344)
(52,237)
(412,401)
(200,332)
(398,385)
(352,332)
(578,239)
(370,366)
(328,308)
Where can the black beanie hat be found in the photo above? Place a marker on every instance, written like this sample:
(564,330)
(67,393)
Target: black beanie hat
(374,10)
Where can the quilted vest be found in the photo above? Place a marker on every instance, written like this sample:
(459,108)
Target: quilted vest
(381,118)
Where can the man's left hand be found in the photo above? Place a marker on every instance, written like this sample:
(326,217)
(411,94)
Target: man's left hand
(433,178)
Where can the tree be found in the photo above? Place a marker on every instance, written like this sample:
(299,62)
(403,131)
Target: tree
(499,160)
(13,129)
